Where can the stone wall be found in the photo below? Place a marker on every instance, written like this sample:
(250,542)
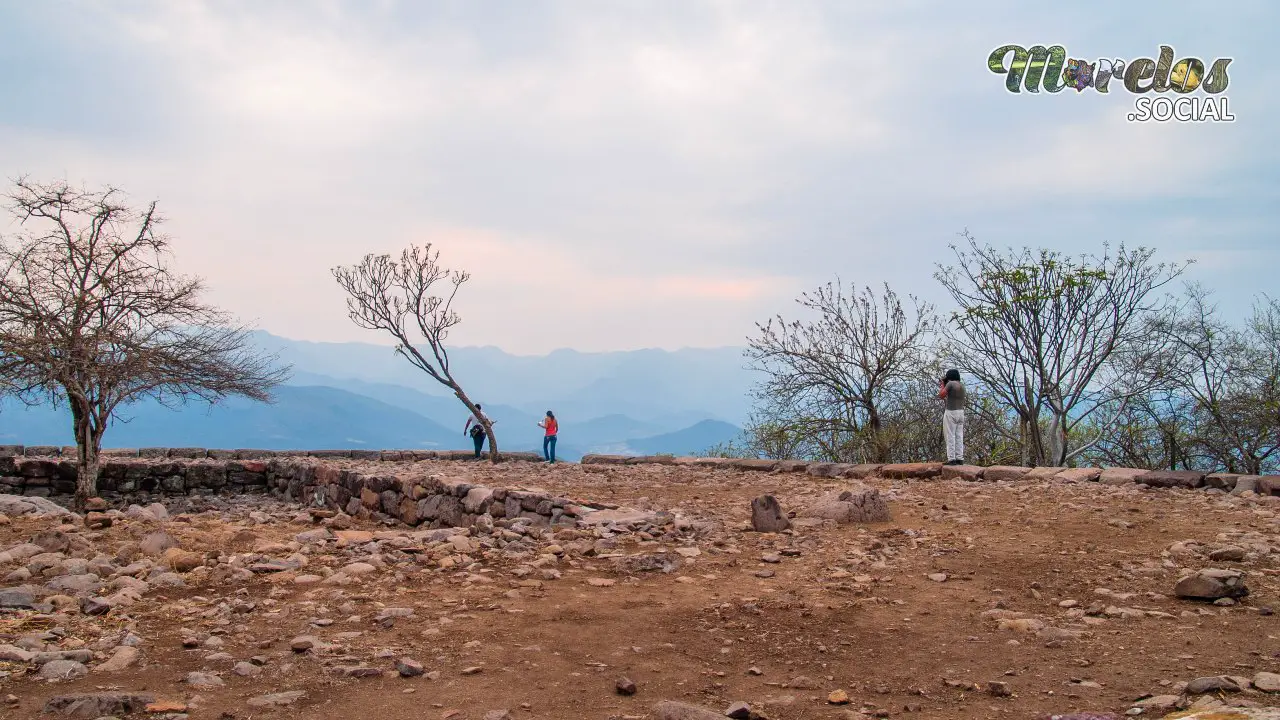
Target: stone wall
(426,500)
(158,453)
(140,474)
(1225,482)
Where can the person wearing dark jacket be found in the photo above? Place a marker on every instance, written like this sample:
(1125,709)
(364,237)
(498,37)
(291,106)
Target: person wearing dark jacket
(476,429)
(952,391)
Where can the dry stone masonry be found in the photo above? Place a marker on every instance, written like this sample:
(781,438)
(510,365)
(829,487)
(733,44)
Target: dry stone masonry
(432,501)
(1225,482)
(311,478)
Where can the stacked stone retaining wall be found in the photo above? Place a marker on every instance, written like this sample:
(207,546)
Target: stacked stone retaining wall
(194,453)
(49,471)
(1190,479)
(414,499)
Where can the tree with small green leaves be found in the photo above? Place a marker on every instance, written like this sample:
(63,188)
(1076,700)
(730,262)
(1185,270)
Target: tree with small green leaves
(1055,337)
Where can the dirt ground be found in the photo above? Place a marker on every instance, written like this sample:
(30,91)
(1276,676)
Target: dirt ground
(849,608)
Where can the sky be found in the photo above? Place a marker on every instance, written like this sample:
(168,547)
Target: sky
(620,175)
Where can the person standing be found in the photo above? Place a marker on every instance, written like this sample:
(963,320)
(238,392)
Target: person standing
(476,429)
(549,439)
(952,391)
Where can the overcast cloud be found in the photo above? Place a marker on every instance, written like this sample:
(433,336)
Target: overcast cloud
(619,175)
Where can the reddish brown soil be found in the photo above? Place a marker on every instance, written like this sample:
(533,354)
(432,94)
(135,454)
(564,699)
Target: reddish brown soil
(854,610)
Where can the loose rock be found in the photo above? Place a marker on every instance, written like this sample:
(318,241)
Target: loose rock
(59,670)
(767,515)
(1211,584)
(408,667)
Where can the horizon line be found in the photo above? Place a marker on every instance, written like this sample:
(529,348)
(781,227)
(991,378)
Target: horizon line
(508,352)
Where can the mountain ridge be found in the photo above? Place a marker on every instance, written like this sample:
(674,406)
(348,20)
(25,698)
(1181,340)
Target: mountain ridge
(354,395)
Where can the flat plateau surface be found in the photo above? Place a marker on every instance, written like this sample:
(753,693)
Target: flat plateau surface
(1062,592)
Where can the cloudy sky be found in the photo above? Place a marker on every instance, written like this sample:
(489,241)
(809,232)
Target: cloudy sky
(619,174)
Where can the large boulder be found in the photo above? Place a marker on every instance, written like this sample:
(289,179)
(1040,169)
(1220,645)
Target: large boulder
(181,560)
(157,543)
(1221,481)
(912,471)
(81,584)
(15,505)
(94,705)
(51,540)
(1267,484)
(1121,476)
(970,473)
(1172,478)
(753,464)
(1044,472)
(1005,473)
(1212,584)
(20,552)
(1246,483)
(617,516)
(859,504)
(767,515)
(863,471)
(1078,474)
(595,459)
(825,469)
(18,597)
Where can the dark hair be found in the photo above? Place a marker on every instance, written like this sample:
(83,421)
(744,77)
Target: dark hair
(477,406)
(952,375)
(551,415)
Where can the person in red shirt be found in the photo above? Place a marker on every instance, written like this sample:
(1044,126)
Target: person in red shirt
(549,440)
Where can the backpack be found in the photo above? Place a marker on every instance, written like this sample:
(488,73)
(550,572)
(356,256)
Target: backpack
(477,430)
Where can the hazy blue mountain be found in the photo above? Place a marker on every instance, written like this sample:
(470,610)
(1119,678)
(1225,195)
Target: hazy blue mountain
(300,418)
(694,439)
(594,432)
(445,410)
(318,417)
(654,386)
(361,395)
(516,429)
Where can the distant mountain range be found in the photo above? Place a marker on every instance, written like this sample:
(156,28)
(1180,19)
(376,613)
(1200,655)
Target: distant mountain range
(356,395)
(693,439)
(672,389)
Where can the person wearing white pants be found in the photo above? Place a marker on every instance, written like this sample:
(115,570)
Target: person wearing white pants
(952,390)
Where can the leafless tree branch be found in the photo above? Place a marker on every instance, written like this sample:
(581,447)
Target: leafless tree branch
(400,298)
(91,315)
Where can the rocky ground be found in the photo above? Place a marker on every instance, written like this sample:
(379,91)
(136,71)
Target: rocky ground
(976,600)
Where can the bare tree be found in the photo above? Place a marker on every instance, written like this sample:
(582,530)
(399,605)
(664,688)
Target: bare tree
(90,315)
(1044,331)
(1217,406)
(1263,335)
(399,298)
(838,369)
(1231,378)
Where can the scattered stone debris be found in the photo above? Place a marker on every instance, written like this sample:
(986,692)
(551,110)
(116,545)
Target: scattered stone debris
(262,599)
